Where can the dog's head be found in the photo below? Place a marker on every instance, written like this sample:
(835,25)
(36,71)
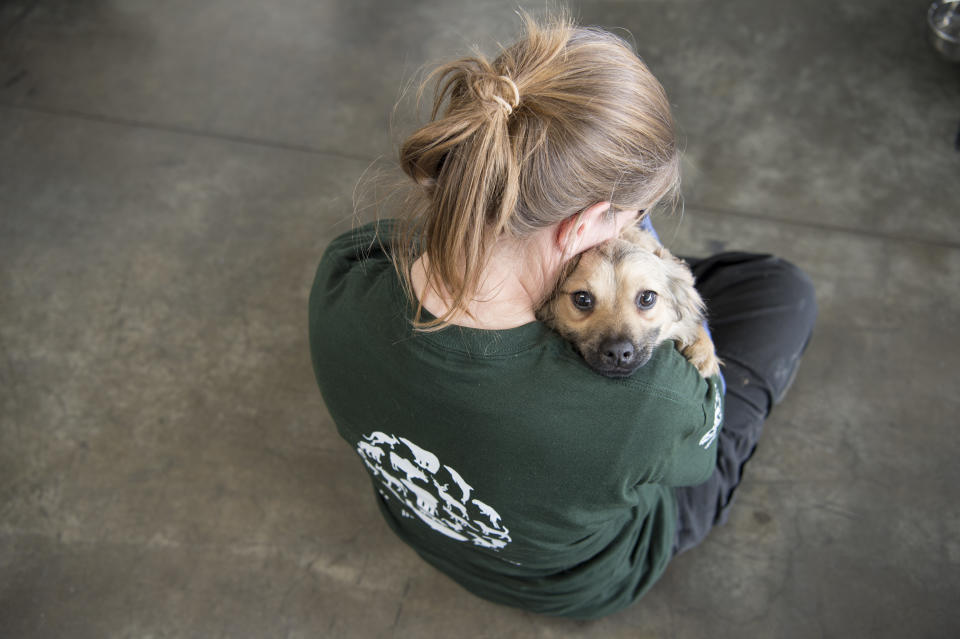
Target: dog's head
(621,300)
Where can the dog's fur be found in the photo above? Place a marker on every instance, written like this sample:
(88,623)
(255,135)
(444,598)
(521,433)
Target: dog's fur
(615,335)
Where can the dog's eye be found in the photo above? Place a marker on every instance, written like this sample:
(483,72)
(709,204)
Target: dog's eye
(582,300)
(646,300)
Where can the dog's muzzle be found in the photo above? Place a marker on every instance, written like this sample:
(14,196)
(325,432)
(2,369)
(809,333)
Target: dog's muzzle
(617,357)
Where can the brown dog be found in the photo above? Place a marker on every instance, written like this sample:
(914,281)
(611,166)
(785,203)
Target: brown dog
(624,298)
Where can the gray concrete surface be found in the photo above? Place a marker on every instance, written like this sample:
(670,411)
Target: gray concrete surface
(171,172)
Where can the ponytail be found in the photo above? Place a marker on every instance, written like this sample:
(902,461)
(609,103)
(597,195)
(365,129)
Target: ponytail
(564,118)
(466,163)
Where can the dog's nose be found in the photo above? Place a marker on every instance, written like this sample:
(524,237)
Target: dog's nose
(617,353)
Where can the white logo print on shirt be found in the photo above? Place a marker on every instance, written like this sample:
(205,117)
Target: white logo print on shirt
(711,435)
(418,479)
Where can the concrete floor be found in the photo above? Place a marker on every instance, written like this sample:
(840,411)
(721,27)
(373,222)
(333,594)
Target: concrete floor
(169,176)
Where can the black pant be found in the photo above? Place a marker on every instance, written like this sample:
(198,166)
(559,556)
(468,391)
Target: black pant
(761,315)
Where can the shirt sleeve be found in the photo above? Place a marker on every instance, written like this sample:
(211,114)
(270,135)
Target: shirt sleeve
(695,454)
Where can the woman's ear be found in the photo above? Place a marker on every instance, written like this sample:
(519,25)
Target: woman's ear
(585,230)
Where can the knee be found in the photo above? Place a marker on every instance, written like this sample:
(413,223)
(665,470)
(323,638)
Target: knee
(794,288)
(747,290)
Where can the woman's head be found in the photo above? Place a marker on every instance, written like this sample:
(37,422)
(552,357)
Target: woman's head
(564,118)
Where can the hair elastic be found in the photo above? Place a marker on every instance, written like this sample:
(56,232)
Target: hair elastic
(516,95)
(504,104)
(516,91)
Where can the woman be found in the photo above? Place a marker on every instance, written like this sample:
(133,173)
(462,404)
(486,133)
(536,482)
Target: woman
(493,450)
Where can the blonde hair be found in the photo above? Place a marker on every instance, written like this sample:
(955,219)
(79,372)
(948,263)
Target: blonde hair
(564,118)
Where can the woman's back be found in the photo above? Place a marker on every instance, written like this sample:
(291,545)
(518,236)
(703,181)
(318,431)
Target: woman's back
(497,455)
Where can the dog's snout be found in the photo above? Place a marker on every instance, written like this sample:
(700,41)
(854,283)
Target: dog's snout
(617,356)
(618,353)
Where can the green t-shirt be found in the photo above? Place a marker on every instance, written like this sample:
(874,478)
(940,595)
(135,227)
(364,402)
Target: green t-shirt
(499,456)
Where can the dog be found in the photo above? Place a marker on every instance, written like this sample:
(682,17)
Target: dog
(622,299)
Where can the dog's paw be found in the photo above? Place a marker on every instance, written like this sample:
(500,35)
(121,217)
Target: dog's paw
(702,354)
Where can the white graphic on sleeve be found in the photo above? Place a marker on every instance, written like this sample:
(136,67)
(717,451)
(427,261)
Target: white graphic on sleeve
(434,492)
(711,435)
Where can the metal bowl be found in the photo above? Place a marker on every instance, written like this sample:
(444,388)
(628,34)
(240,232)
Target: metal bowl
(944,20)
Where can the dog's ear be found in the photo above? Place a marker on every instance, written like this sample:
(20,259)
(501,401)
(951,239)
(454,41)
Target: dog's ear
(687,301)
(546,311)
(642,238)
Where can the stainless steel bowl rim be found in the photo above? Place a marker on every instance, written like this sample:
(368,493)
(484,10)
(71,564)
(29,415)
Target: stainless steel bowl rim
(936,29)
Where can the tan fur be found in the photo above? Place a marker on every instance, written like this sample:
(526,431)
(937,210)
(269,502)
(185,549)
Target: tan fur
(614,274)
